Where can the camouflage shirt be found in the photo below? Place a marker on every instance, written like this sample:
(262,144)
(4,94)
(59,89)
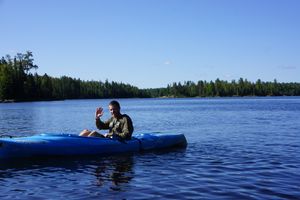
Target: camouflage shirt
(121,126)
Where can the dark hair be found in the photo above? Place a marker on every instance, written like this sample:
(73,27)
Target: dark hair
(115,103)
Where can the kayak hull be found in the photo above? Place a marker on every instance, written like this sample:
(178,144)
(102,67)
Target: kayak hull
(73,145)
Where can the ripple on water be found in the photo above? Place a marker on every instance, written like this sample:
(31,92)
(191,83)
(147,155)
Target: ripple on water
(237,149)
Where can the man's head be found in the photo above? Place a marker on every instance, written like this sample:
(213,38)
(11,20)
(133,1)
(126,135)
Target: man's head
(114,108)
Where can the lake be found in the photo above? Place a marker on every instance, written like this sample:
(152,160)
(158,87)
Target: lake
(238,148)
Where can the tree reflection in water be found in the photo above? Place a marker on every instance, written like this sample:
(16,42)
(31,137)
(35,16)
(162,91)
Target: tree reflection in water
(117,170)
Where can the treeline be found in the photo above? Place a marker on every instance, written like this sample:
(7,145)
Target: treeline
(220,88)
(17,83)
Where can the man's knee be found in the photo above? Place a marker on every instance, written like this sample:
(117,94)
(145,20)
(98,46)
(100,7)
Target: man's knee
(95,134)
(85,132)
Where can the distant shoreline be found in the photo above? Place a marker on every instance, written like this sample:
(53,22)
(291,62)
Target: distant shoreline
(7,101)
(162,97)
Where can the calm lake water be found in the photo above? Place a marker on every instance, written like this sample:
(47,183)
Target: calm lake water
(238,148)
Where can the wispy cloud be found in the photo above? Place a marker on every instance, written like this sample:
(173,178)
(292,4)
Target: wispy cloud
(168,62)
(287,67)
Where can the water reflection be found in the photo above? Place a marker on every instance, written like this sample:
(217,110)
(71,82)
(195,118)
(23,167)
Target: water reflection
(114,172)
(117,170)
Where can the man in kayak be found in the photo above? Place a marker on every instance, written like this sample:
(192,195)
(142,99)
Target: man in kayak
(119,125)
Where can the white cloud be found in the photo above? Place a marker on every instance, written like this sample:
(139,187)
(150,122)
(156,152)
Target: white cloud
(167,62)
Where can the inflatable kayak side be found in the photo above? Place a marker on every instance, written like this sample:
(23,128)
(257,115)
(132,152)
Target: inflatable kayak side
(160,141)
(62,145)
(73,145)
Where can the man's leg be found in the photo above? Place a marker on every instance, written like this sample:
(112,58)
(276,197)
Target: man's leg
(95,134)
(85,133)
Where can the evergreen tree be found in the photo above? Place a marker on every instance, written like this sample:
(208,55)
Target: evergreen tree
(17,83)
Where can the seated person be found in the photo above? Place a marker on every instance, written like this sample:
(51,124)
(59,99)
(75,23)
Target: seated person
(119,125)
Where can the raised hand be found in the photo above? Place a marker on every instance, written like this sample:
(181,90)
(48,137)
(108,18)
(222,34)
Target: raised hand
(99,112)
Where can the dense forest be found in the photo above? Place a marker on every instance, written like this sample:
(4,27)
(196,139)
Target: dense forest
(220,88)
(17,83)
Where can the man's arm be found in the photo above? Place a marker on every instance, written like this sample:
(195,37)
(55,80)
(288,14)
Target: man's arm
(101,125)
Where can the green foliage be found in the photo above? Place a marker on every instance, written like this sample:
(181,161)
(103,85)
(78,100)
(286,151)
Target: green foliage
(220,88)
(17,83)
(13,75)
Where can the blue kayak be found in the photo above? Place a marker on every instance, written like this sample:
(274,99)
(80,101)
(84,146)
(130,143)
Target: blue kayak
(73,145)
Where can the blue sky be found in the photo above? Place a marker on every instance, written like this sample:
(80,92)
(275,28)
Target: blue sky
(152,43)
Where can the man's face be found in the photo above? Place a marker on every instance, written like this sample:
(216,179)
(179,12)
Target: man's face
(114,110)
